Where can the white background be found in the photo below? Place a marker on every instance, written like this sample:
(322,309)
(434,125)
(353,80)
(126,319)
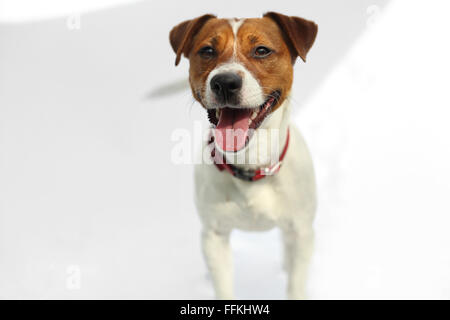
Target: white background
(91,205)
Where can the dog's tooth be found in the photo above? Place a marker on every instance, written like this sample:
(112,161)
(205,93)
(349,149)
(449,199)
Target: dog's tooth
(217,113)
(254,114)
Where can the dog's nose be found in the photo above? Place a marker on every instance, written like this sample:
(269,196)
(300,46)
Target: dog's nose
(226,86)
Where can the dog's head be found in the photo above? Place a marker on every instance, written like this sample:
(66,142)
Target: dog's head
(241,69)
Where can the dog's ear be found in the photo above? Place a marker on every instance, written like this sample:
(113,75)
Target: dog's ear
(300,32)
(182,34)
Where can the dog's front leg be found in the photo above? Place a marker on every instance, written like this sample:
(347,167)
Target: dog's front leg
(298,247)
(217,252)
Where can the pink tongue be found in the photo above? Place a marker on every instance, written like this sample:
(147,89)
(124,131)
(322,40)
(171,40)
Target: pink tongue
(232,130)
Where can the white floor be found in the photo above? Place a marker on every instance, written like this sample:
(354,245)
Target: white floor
(92,207)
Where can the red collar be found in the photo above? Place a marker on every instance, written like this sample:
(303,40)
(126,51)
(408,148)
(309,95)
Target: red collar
(250,175)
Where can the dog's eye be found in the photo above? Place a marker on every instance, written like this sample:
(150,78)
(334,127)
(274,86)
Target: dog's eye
(261,52)
(207,52)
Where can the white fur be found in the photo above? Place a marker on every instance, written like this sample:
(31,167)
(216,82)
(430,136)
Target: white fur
(235,25)
(286,200)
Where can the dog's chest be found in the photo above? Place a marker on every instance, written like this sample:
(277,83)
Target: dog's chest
(240,204)
(257,206)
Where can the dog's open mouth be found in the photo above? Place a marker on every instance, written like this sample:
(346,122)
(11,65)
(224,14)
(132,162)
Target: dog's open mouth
(235,126)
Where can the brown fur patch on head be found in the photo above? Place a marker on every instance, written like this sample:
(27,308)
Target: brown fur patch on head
(275,72)
(181,35)
(218,34)
(300,33)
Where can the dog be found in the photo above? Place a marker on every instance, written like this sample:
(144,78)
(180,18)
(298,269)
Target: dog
(241,72)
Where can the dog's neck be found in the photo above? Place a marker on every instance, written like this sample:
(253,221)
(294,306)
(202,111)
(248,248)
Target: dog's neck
(267,143)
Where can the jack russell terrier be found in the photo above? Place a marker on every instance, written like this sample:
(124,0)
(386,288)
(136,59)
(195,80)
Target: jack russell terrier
(241,72)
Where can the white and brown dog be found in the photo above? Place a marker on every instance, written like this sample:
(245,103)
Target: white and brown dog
(241,72)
